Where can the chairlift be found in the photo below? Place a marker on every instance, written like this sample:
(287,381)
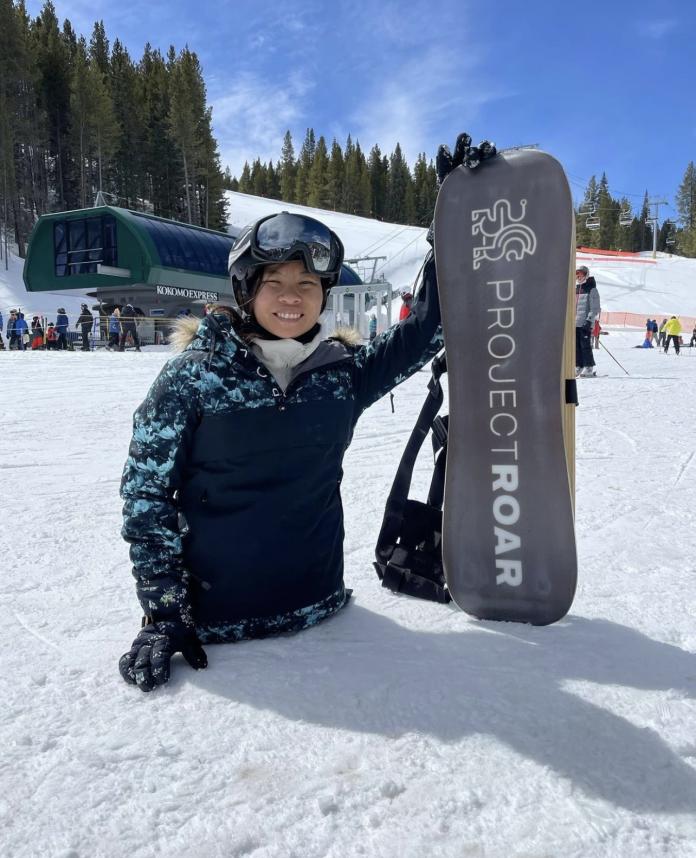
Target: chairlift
(592,222)
(625,216)
(587,208)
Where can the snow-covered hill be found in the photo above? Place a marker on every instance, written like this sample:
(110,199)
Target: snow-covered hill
(663,287)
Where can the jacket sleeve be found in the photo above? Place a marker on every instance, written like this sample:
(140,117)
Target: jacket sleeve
(163,428)
(395,355)
(595,308)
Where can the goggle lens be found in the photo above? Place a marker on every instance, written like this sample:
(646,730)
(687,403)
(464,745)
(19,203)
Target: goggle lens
(279,236)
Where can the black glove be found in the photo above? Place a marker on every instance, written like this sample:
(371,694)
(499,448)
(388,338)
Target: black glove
(464,153)
(147,662)
(587,327)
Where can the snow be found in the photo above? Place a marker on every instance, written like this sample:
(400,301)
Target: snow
(398,727)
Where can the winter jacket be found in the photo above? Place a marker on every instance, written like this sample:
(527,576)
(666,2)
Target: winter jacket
(1,322)
(128,317)
(114,324)
(673,328)
(62,323)
(587,307)
(20,326)
(11,322)
(86,319)
(231,489)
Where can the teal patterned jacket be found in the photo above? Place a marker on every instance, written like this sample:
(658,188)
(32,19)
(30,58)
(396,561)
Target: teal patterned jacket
(231,489)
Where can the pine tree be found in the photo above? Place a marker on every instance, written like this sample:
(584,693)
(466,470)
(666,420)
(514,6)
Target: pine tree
(336,175)
(258,178)
(608,215)
(272,182)
(686,207)
(162,168)
(304,165)
(584,236)
(184,119)
(425,183)
(245,180)
(317,185)
(128,173)
(53,74)
(94,126)
(99,49)
(400,194)
(287,170)
(378,169)
(645,235)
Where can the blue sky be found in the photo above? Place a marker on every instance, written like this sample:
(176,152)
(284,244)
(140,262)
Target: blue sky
(601,85)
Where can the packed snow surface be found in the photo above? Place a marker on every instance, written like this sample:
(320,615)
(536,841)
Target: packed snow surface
(396,729)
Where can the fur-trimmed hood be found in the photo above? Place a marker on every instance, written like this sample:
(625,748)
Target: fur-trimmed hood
(214,329)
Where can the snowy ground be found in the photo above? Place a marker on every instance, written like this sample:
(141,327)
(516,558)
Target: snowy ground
(398,728)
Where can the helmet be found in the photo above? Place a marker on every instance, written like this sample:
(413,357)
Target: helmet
(583,269)
(85,307)
(281,238)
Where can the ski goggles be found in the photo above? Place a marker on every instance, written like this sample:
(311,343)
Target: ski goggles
(285,236)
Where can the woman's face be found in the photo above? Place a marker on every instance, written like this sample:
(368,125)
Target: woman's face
(288,302)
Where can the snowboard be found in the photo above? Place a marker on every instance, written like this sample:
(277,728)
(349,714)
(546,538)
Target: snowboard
(505,260)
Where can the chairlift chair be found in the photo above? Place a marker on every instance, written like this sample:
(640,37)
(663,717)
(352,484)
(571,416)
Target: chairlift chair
(592,222)
(625,217)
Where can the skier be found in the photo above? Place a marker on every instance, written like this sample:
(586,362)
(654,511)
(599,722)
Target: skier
(12,339)
(673,331)
(662,334)
(114,329)
(232,486)
(128,326)
(587,309)
(85,322)
(51,338)
(37,334)
(62,325)
(372,326)
(21,331)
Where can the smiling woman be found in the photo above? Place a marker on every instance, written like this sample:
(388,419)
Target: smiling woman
(232,483)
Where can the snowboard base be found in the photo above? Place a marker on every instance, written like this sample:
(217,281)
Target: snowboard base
(504,249)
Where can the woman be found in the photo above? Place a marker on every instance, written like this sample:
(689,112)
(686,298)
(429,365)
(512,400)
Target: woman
(114,329)
(232,483)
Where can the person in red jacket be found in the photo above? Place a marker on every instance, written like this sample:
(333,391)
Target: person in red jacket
(405,311)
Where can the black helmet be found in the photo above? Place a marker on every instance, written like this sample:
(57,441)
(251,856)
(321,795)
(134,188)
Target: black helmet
(281,238)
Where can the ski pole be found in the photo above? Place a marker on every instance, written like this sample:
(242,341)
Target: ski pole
(613,358)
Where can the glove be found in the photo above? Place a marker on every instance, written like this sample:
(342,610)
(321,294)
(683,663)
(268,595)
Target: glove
(587,327)
(147,663)
(464,153)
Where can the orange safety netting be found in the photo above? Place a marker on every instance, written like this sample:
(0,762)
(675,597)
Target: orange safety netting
(637,320)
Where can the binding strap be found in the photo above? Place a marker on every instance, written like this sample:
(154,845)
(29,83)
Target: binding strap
(409,551)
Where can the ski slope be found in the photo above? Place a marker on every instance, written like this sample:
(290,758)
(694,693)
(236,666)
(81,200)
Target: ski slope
(662,287)
(398,727)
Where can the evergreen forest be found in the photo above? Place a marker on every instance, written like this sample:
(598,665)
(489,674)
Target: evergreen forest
(79,117)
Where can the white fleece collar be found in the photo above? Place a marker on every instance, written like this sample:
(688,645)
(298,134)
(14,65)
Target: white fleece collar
(282,356)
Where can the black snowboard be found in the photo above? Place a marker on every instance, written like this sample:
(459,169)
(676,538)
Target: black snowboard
(504,236)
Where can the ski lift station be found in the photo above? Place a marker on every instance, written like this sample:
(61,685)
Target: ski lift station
(162,267)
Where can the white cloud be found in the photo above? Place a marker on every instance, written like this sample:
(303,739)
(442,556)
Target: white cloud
(251,118)
(656,28)
(418,98)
